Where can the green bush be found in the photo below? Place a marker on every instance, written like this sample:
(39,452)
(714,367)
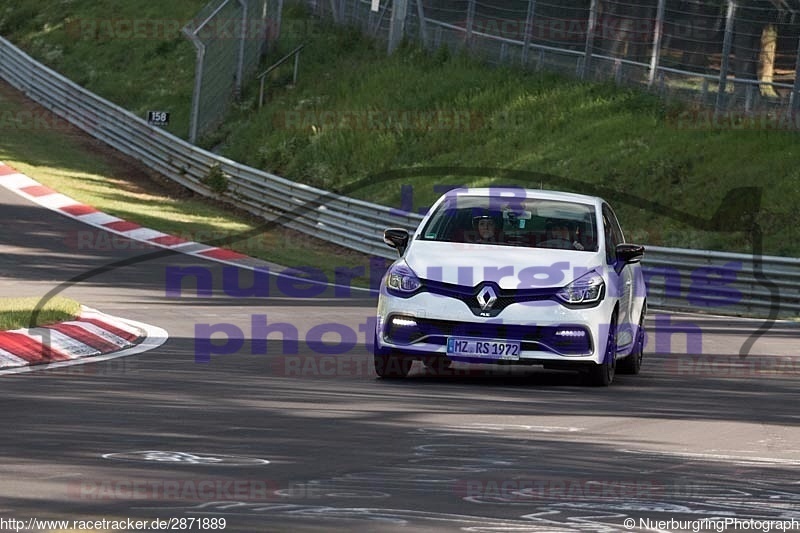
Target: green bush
(216,180)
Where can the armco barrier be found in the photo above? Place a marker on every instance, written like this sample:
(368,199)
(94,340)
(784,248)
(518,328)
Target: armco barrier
(678,279)
(722,283)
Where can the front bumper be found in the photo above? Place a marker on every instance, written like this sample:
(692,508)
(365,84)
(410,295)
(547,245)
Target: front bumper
(548,331)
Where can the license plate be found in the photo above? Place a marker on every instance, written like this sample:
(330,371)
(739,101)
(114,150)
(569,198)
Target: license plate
(482,348)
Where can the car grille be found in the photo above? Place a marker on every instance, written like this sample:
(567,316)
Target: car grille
(505,297)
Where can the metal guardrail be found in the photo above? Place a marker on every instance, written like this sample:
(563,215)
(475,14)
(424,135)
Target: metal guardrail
(679,279)
(721,282)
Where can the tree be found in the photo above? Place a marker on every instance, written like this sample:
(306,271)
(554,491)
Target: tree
(766,60)
(755,41)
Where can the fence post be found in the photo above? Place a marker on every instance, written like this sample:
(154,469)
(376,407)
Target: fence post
(376,16)
(658,31)
(194,115)
(748,98)
(240,59)
(397,24)
(726,52)
(423,31)
(528,30)
(794,99)
(335,12)
(470,22)
(587,56)
(278,23)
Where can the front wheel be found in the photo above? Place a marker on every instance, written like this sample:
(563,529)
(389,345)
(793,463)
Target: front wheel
(633,363)
(392,366)
(602,375)
(388,363)
(438,364)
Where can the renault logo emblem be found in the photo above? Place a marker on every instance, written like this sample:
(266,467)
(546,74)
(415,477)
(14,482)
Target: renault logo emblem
(486,298)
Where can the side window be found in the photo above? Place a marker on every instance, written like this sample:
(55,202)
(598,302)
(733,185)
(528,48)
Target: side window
(613,233)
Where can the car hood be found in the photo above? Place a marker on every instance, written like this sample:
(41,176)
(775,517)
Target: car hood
(510,267)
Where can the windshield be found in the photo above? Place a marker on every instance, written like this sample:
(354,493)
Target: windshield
(532,223)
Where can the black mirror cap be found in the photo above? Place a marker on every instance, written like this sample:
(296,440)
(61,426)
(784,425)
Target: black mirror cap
(396,238)
(629,253)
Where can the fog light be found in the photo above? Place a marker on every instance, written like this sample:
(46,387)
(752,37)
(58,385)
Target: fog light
(570,333)
(403,322)
(403,330)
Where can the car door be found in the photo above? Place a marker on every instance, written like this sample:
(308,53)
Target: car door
(622,284)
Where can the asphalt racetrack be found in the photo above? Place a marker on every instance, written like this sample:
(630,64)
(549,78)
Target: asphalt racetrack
(282,437)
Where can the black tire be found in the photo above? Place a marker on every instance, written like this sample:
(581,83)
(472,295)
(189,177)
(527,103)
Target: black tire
(438,364)
(633,363)
(602,375)
(392,366)
(389,364)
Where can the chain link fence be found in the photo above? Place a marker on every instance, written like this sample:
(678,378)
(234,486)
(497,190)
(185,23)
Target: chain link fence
(230,37)
(732,57)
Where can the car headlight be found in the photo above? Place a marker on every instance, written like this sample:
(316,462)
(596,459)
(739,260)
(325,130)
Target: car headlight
(402,280)
(586,290)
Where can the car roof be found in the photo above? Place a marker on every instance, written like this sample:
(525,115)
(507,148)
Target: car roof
(529,194)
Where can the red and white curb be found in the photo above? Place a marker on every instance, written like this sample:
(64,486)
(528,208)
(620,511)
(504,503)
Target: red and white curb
(34,191)
(93,336)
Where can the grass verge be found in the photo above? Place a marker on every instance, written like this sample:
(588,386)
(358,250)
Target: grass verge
(16,313)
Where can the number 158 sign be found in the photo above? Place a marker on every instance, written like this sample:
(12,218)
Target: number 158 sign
(158,118)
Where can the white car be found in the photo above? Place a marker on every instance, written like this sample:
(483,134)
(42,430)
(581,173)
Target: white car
(513,276)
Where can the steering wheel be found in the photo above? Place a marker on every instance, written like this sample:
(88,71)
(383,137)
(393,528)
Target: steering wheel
(557,243)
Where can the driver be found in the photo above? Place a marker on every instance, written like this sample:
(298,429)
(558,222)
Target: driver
(559,231)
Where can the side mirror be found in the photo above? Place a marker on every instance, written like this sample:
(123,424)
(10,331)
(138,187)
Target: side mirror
(627,254)
(396,238)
